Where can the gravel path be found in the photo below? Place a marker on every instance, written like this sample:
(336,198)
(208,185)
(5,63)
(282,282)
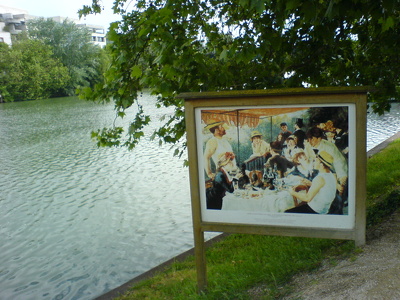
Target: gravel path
(372,274)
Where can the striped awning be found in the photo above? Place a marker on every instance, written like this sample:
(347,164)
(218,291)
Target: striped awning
(250,117)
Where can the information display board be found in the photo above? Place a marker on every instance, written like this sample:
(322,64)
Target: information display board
(278,162)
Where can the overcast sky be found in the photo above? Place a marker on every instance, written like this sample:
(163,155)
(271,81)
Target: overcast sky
(63,8)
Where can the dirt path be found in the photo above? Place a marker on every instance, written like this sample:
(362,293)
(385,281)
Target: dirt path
(372,274)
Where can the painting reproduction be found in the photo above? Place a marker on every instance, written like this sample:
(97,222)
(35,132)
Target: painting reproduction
(283,165)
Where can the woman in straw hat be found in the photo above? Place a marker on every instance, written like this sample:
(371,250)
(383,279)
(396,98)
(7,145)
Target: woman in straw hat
(318,199)
(222,183)
(259,146)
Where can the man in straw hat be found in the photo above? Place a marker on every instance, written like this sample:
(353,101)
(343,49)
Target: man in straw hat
(215,145)
(322,192)
(259,146)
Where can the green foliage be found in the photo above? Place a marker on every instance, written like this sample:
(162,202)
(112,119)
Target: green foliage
(383,183)
(383,171)
(72,45)
(30,71)
(179,46)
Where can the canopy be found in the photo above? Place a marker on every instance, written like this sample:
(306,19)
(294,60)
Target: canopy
(250,117)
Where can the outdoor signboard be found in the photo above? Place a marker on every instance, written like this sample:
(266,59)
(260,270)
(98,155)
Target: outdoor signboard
(277,162)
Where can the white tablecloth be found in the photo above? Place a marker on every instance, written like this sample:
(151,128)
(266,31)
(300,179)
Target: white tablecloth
(263,201)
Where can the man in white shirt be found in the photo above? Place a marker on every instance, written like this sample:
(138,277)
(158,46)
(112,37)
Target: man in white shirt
(215,145)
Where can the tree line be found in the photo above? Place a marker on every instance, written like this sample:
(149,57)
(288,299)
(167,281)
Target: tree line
(50,59)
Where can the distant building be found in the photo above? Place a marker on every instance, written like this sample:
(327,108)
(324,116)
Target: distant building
(98,34)
(97,31)
(13,22)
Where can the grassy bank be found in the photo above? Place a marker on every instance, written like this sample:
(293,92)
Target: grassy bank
(240,263)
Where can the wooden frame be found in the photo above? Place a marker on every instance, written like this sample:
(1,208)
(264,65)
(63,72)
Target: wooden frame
(290,102)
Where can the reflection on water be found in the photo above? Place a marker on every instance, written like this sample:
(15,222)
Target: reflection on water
(77,221)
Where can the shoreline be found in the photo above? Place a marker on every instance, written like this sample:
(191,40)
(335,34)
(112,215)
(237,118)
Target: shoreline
(148,274)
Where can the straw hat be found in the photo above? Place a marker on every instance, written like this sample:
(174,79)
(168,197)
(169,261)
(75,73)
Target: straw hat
(255,133)
(213,123)
(325,158)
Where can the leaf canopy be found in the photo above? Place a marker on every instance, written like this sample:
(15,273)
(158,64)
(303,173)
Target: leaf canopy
(171,47)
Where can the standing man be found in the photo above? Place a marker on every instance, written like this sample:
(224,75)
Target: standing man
(285,133)
(215,146)
(299,133)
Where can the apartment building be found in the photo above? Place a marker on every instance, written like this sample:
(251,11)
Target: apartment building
(13,21)
(98,33)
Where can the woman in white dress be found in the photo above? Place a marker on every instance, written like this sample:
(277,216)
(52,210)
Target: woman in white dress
(322,192)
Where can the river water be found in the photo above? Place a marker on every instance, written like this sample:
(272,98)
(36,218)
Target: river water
(78,221)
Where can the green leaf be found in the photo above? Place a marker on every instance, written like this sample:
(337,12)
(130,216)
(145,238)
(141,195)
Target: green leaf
(292,4)
(224,54)
(244,3)
(258,5)
(136,72)
(387,24)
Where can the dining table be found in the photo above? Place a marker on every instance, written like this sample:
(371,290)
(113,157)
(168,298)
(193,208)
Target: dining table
(260,200)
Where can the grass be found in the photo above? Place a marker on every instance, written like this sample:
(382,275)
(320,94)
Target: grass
(383,183)
(240,263)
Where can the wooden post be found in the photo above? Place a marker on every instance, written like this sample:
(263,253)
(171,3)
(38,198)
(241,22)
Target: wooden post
(361,177)
(200,257)
(199,246)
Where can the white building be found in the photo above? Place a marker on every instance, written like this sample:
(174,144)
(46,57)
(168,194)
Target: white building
(13,21)
(97,31)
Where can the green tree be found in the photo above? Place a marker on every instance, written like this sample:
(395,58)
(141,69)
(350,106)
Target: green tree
(179,46)
(30,71)
(71,43)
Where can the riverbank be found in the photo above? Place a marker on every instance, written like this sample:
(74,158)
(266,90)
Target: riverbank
(326,253)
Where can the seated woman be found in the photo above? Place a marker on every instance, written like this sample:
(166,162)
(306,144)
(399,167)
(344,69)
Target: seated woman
(222,181)
(291,147)
(259,146)
(303,168)
(276,160)
(322,192)
(260,150)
